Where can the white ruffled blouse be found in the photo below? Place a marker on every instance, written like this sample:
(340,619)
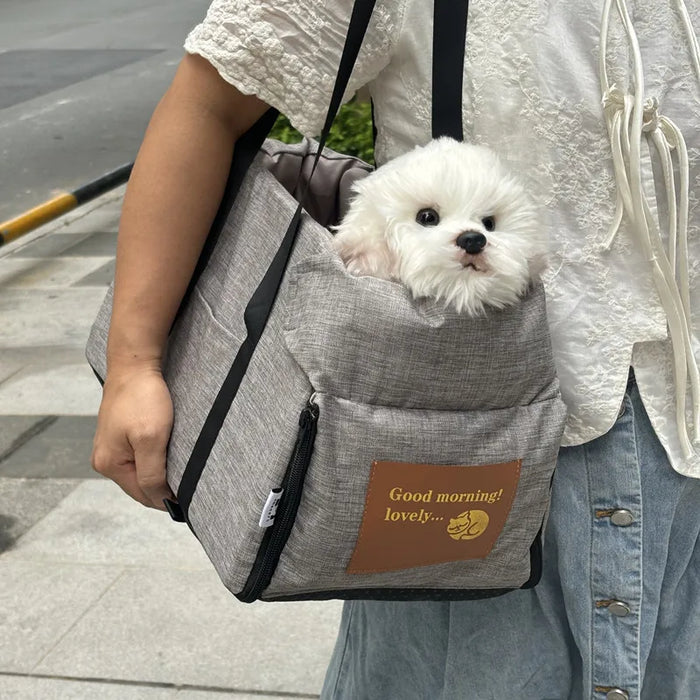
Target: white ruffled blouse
(595,104)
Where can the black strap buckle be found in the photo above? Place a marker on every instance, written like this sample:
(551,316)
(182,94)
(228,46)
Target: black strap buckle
(176,513)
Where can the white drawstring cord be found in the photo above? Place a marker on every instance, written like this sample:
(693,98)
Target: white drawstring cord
(692,36)
(618,107)
(628,118)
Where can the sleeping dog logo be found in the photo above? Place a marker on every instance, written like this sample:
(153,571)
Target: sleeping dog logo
(468,525)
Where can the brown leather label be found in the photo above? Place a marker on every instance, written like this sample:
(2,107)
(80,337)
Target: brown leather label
(422,514)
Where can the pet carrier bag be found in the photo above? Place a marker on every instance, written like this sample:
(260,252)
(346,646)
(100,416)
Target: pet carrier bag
(334,437)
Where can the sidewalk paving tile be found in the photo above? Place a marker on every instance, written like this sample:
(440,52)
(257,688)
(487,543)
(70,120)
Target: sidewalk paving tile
(28,688)
(187,694)
(48,273)
(104,219)
(48,316)
(101,277)
(204,695)
(9,367)
(39,603)
(99,524)
(31,688)
(46,356)
(24,502)
(14,428)
(62,450)
(95,245)
(68,389)
(47,246)
(183,627)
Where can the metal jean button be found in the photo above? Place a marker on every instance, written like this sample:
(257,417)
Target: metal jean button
(622,517)
(619,609)
(617,694)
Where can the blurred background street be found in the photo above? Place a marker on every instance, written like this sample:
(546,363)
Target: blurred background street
(78,83)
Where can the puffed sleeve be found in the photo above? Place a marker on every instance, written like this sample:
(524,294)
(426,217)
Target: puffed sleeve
(287,52)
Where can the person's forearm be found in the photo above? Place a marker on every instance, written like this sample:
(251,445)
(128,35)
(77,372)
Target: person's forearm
(171,199)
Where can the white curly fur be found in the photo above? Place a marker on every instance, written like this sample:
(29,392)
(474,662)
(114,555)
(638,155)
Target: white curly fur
(464,184)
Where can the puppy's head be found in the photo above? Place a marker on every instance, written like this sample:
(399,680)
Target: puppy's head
(447,221)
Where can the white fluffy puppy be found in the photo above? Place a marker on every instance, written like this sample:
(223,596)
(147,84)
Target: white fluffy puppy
(447,221)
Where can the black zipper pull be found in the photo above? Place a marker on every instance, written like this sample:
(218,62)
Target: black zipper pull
(309,414)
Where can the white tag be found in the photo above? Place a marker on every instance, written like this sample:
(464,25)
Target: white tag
(267,517)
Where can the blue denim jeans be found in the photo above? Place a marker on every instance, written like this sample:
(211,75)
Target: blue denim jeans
(618,606)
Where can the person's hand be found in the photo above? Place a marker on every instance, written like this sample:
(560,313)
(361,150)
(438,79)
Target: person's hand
(133,428)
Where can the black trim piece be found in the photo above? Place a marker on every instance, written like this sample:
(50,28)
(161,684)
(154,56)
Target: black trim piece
(421,593)
(449,37)
(174,510)
(535,562)
(374,130)
(99,378)
(397,594)
(536,556)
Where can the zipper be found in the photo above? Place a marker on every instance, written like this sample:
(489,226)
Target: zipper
(275,537)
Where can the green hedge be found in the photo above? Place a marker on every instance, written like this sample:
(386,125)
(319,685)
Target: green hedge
(351,132)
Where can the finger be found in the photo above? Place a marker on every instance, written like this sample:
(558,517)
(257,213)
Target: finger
(128,482)
(122,472)
(150,472)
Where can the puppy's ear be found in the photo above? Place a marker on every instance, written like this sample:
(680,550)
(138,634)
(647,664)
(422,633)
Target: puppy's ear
(360,239)
(366,255)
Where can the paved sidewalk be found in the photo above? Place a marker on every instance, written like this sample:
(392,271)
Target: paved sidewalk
(99,597)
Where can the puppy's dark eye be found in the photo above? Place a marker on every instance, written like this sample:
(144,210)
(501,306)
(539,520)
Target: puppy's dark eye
(489,223)
(428,217)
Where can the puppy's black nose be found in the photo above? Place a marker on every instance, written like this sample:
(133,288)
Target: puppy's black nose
(472,242)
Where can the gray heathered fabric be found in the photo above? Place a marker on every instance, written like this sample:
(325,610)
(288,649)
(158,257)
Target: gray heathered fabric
(396,379)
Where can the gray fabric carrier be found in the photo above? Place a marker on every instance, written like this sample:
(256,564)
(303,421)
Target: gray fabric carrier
(389,379)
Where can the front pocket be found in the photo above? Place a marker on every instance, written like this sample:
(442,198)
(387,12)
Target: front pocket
(351,437)
(367,340)
(290,491)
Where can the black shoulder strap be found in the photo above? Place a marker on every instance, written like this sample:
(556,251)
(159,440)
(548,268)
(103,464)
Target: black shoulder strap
(263,299)
(449,37)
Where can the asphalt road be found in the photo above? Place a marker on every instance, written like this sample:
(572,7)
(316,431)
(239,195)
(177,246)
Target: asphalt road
(78,83)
